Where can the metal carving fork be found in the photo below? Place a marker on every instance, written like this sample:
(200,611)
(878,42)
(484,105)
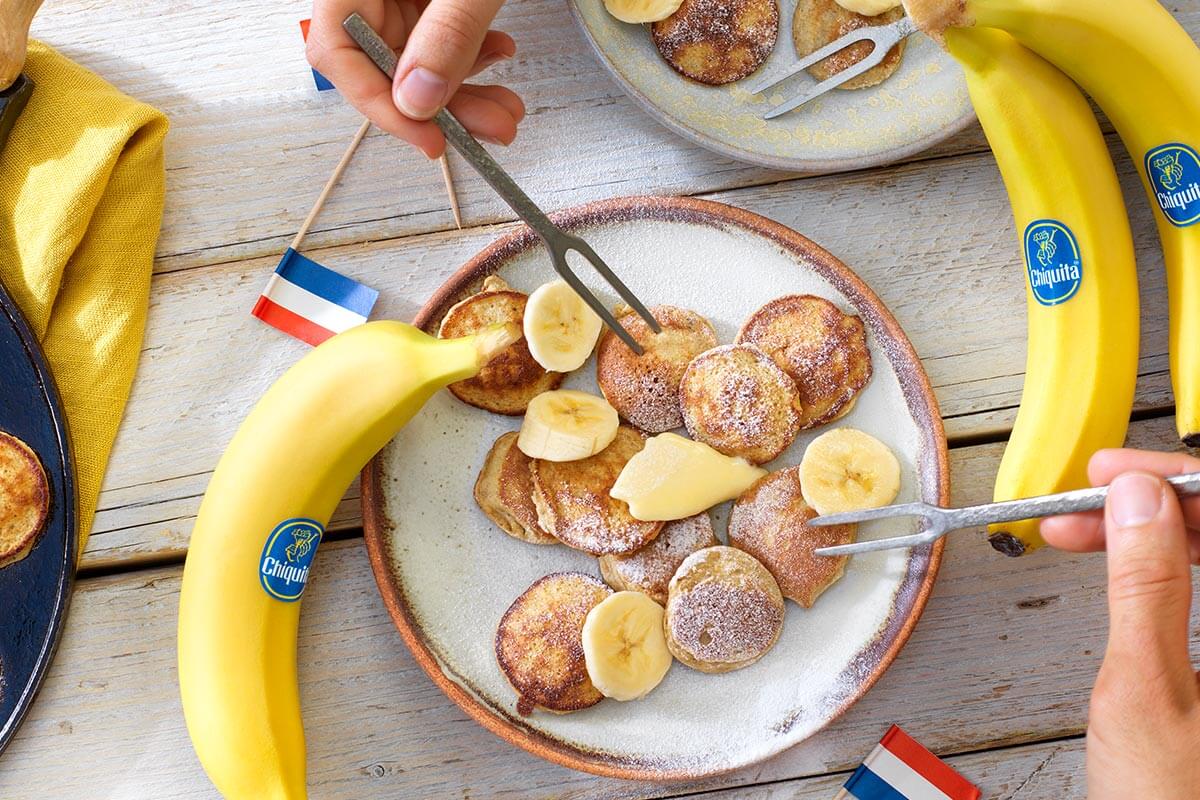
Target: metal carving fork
(557,241)
(885,38)
(940,521)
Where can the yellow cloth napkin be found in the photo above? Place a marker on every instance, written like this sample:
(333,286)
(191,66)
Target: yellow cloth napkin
(81,199)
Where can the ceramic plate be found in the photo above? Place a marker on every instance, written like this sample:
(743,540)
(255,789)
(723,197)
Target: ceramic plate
(923,103)
(33,591)
(447,573)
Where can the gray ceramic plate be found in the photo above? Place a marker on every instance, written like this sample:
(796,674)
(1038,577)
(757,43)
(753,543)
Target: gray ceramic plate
(447,573)
(923,103)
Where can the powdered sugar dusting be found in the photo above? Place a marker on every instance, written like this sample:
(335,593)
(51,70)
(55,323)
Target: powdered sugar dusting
(458,575)
(650,569)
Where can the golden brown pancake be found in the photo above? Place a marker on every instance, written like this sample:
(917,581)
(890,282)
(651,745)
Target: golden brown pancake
(738,401)
(650,569)
(819,22)
(821,347)
(504,491)
(770,522)
(645,389)
(573,502)
(24,499)
(718,41)
(724,610)
(513,378)
(539,643)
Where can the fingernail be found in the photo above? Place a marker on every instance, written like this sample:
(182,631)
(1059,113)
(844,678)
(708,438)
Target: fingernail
(1134,499)
(491,140)
(421,93)
(493,58)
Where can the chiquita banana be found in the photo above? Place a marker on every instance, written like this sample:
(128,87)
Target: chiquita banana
(1141,68)
(1081,286)
(259,525)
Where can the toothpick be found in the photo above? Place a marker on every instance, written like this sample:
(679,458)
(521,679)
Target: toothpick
(450,191)
(333,179)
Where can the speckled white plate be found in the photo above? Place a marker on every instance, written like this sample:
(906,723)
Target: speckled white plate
(922,104)
(447,574)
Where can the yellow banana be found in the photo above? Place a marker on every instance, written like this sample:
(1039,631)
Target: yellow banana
(259,525)
(1141,67)
(1081,284)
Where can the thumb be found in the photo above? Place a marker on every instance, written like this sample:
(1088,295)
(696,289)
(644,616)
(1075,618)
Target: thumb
(1149,581)
(439,54)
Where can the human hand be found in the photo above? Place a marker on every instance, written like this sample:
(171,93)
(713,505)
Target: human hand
(1144,720)
(440,43)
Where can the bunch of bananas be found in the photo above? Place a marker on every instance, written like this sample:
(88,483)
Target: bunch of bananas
(1139,65)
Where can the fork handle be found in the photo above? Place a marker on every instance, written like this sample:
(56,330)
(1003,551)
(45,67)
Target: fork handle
(1054,504)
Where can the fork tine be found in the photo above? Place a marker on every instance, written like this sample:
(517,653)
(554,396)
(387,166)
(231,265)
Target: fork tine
(876,57)
(866,515)
(853,37)
(616,283)
(564,270)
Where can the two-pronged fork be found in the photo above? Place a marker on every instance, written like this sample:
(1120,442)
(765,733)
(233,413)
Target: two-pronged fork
(557,241)
(940,521)
(885,38)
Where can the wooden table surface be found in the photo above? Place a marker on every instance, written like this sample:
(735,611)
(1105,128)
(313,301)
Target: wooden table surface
(997,674)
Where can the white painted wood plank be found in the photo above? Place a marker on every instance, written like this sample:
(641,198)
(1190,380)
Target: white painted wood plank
(1006,654)
(950,273)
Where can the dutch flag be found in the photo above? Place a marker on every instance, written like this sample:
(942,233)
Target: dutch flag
(312,302)
(901,769)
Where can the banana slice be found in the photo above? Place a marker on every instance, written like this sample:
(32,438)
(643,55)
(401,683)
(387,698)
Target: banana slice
(560,329)
(636,11)
(624,646)
(567,425)
(868,8)
(848,470)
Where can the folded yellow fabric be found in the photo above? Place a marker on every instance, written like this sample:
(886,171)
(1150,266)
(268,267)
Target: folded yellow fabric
(81,199)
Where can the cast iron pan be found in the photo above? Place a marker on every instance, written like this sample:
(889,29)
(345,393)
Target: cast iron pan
(34,592)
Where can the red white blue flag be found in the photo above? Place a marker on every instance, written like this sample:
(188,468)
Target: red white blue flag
(312,302)
(323,83)
(901,769)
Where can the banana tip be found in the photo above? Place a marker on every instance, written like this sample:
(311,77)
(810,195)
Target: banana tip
(496,339)
(1191,439)
(1008,544)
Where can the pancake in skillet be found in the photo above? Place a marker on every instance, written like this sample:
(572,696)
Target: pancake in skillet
(645,389)
(718,41)
(819,22)
(573,501)
(738,401)
(24,499)
(821,347)
(770,522)
(539,643)
(504,491)
(512,379)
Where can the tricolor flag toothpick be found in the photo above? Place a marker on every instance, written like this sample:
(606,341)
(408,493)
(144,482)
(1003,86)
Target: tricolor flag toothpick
(900,768)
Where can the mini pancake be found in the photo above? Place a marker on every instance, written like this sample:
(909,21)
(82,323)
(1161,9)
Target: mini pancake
(24,499)
(820,346)
(770,522)
(645,389)
(718,41)
(818,22)
(740,402)
(504,491)
(650,569)
(539,643)
(573,501)
(513,378)
(724,610)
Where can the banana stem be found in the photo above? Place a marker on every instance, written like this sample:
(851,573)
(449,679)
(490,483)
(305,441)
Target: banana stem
(933,17)
(494,340)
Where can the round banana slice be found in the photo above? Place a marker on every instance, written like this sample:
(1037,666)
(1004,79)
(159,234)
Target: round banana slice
(624,646)
(560,329)
(567,425)
(637,11)
(848,470)
(869,8)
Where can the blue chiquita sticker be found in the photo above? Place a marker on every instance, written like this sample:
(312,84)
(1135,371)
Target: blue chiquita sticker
(286,557)
(1174,172)
(1052,257)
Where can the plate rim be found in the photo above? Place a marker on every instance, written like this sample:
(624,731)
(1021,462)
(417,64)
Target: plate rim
(52,401)
(690,209)
(801,166)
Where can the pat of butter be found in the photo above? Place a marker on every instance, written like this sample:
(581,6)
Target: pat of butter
(868,8)
(674,477)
